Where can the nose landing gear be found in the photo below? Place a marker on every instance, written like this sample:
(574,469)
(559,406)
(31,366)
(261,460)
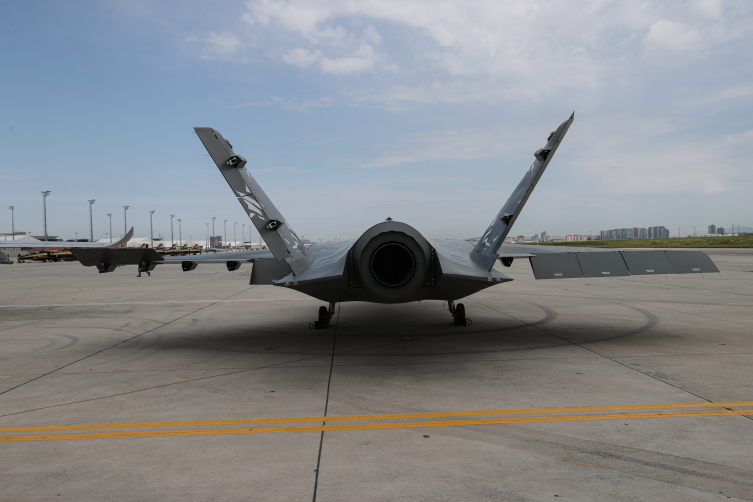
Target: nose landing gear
(325,315)
(458,314)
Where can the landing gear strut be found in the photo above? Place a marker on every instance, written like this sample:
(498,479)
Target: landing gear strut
(458,314)
(325,315)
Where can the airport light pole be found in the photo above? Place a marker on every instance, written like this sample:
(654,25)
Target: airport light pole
(172,241)
(125,219)
(76,236)
(44,210)
(213,233)
(151,226)
(180,232)
(12,221)
(91,220)
(206,242)
(109,215)
(243,234)
(693,231)
(235,234)
(224,237)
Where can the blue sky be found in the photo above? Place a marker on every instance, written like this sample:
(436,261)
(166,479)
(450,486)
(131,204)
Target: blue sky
(350,112)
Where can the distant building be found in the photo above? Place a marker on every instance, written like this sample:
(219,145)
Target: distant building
(720,230)
(634,233)
(521,238)
(712,229)
(543,235)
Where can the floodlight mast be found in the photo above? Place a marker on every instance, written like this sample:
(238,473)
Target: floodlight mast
(44,211)
(91,220)
(180,232)
(151,226)
(172,241)
(224,237)
(12,221)
(109,215)
(125,220)
(214,234)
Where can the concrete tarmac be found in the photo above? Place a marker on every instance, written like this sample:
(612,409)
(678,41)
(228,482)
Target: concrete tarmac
(417,408)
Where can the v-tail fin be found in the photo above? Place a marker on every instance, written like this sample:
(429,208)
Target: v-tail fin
(277,234)
(485,252)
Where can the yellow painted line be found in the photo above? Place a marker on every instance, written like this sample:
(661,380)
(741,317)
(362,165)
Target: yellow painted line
(376,426)
(355,418)
(581,463)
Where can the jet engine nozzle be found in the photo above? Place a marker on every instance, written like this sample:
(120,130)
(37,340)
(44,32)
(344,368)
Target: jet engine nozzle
(393,261)
(393,264)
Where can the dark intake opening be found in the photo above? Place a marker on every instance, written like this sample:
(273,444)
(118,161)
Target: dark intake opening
(392,264)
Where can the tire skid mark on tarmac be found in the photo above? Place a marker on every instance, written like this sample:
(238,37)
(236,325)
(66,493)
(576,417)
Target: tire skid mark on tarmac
(113,345)
(654,377)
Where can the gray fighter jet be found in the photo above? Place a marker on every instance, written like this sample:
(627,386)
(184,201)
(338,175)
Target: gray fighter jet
(392,262)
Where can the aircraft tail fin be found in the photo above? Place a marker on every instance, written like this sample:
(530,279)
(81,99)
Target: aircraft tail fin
(276,232)
(485,252)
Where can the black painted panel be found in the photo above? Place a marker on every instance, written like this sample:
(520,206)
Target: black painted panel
(647,262)
(602,264)
(691,262)
(555,266)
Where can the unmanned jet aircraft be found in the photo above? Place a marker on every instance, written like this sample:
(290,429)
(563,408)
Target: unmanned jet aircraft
(392,262)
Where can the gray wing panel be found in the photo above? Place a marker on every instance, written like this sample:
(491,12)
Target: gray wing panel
(276,232)
(691,262)
(608,264)
(222,257)
(647,262)
(485,252)
(556,266)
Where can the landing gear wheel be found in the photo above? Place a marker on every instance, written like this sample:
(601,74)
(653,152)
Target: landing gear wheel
(323,320)
(323,315)
(459,315)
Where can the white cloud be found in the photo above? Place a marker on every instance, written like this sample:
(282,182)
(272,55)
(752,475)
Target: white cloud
(363,59)
(302,58)
(224,46)
(537,47)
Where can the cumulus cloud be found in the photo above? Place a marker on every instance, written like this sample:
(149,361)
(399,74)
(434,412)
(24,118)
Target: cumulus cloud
(542,46)
(302,58)
(223,46)
(363,59)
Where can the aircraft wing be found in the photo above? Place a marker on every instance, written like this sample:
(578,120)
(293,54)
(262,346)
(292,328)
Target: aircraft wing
(237,256)
(563,262)
(67,245)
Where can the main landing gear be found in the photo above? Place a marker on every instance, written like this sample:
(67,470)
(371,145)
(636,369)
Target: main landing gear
(325,315)
(458,314)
